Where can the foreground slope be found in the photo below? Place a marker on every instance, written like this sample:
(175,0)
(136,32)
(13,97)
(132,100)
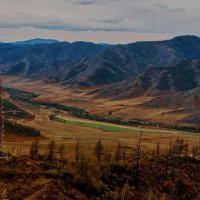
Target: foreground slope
(159,178)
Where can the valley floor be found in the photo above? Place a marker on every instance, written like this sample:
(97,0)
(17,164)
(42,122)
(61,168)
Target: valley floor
(70,133)
(106,106)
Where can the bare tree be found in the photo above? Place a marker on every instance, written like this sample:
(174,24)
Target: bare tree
(34,150)
(98,150)
(77,153)
(196,151)
(83,166)
(124,155)
(170,146)
(51,150)
(186,148)
(153,153)
(179,147)
(61,151)
(158,148)
(138,157)
(118,151)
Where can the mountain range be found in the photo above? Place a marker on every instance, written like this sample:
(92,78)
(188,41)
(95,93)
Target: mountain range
(89,64)
(166,71)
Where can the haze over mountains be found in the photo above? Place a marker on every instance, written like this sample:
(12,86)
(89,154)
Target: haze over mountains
(128,70)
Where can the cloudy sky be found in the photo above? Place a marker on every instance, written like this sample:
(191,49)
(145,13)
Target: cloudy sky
(101,21)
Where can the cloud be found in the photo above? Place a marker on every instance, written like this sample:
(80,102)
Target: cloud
(177,10)
(89,2)
(124,16)
(24,20)
(111,20)
(85,2)
(59,25)
(162,6)
(168,8)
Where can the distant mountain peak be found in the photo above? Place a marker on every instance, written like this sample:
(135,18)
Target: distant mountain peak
(36,41)
(186,36)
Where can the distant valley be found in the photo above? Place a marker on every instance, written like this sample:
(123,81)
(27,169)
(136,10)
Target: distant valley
(159,77)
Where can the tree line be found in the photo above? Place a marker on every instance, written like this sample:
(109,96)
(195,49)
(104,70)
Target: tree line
(19,129)
(129,169)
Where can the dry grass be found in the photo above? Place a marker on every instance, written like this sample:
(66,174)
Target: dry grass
(68,134)
(88,136)
(127,109)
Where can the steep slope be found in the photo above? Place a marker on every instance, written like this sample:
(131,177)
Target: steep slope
(121,62)
(182,77)
(166,92)
(88,64)
(44,61)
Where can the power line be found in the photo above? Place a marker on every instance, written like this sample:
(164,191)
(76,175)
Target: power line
(181,24)
(169,29)
(3,150)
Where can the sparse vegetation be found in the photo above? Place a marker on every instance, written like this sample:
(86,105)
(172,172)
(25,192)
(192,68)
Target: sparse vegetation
(129,174)
(99,150)
(89,160)
(19,112)
(81,113)
(174,177)
(13,126)
(34,149)
(51,150)
(20,95)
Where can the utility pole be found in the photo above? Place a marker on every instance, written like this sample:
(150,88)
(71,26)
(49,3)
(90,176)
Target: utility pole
(138,157)
(3,149)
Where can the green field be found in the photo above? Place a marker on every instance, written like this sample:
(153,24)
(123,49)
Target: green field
(97,125)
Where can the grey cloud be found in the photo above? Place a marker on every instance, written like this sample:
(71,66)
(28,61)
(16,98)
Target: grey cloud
(110,21)
(62,26)
(177,10)
(85,2)
(165,7)
(162,6)
(88,2)
(24,20)
(134,16)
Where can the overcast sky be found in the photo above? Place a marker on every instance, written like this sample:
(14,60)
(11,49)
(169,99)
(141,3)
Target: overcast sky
(101,21)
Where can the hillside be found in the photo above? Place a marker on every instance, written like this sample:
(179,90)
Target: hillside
(168,91)
(142,80)
(159,178)
(181,77)
(48,62)
(85,64)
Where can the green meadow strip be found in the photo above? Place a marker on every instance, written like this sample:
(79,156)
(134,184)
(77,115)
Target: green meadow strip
(96,125)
